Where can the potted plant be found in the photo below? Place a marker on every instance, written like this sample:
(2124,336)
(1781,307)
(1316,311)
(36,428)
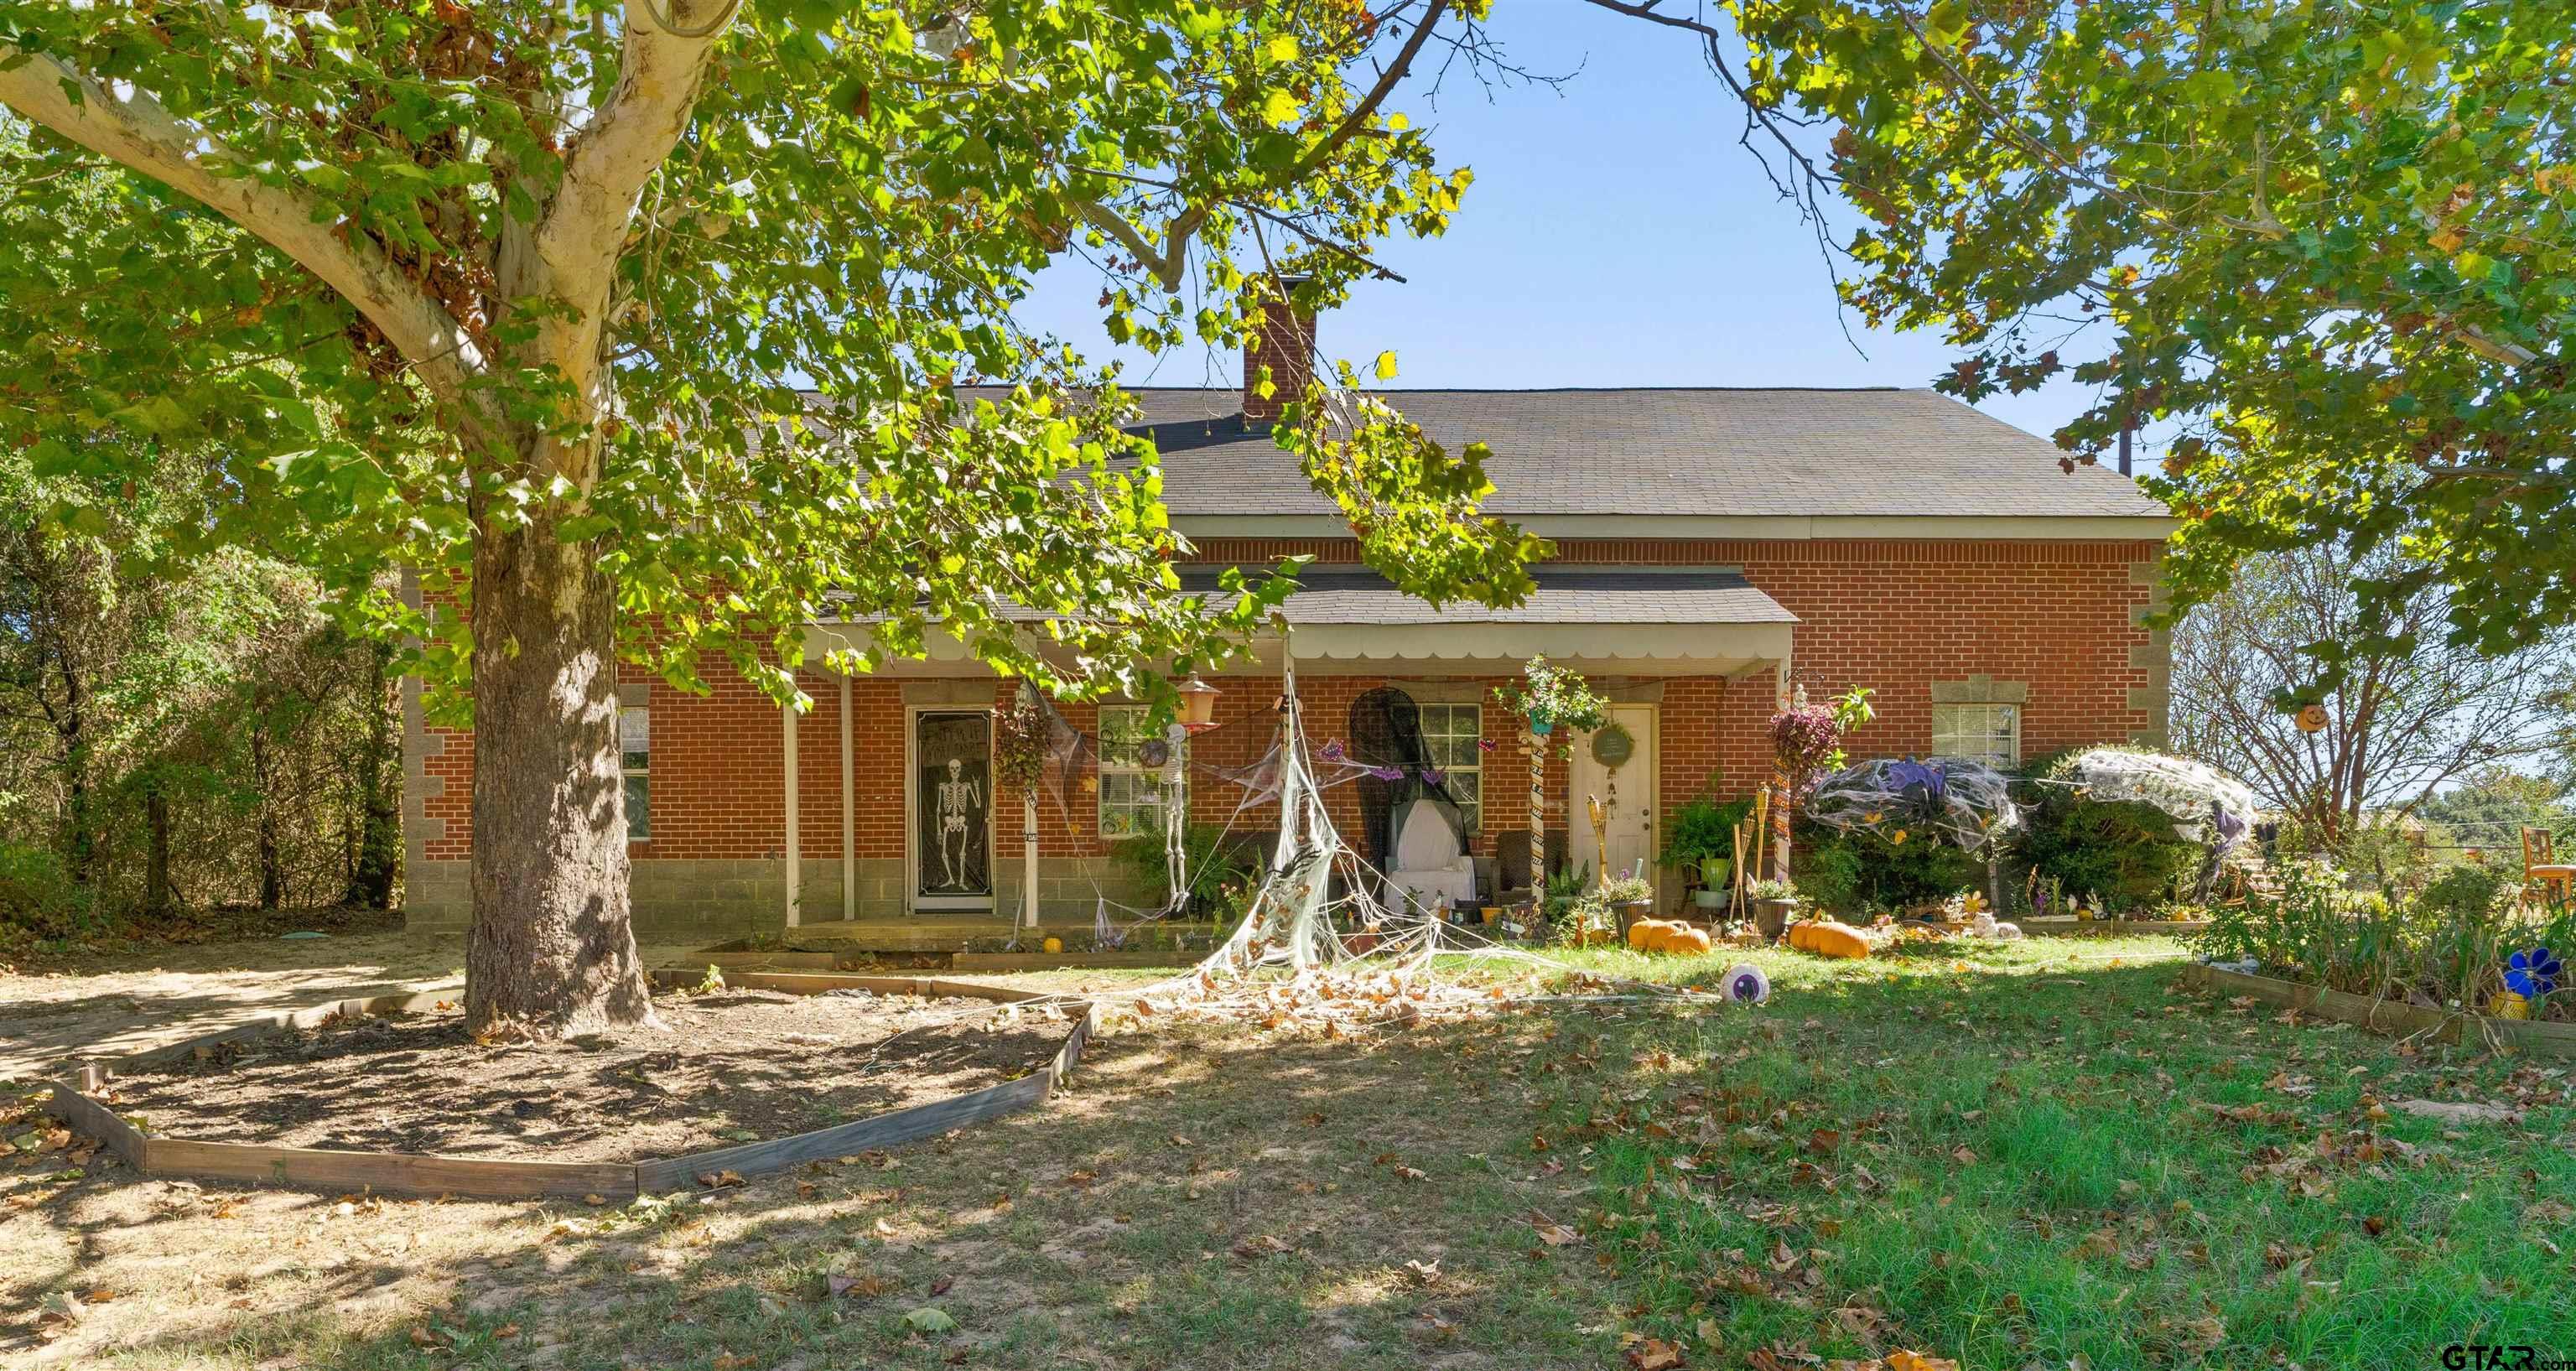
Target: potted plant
(1700,843)
(1551,697)
(1629,899)
(1774,903)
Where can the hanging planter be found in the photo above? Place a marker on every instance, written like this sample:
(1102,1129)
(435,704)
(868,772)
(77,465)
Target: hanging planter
(1549,696)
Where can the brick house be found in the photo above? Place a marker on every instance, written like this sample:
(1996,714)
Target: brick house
(1715,545)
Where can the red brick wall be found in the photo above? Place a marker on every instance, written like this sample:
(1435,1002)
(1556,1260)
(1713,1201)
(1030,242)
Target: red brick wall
(1890,614)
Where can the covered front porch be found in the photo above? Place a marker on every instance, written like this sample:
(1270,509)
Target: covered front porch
(950,854)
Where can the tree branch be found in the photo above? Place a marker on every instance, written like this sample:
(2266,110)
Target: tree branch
(611,158)
(129,125)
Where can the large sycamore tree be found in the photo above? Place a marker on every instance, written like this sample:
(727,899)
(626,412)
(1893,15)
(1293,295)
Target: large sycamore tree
(633,329)
(2320,248)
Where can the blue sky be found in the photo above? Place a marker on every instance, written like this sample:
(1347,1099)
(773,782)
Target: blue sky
(1616,235)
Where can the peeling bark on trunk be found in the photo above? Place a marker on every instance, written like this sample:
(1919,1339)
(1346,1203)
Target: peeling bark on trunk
(551,952)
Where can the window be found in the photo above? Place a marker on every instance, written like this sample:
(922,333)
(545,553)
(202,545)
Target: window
(1989,733)
(1449,734)
(635,763)
(1131,786)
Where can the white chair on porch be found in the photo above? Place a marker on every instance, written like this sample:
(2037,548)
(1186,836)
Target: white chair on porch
(1427,869)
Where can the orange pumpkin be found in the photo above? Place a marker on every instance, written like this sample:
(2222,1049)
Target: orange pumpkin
(1826,938)
(1690,940)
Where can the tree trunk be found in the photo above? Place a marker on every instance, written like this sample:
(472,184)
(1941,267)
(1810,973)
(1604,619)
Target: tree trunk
(551,952)
(156,855)
(379,804)
(272,873)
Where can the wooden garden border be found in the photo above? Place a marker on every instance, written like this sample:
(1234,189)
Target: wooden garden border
(417,1174)
(2392,1017)
(986,963)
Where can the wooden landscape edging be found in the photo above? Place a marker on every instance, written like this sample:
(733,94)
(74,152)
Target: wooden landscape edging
(2393,1017)
(2060,925)
(421,1174)
(984,962)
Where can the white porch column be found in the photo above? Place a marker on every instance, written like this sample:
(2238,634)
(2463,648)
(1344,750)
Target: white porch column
(849,813)
(787,725)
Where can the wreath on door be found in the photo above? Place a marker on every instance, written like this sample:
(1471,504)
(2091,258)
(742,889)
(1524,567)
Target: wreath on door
(1613,745)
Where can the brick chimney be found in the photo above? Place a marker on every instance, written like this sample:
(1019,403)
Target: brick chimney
(1284,343)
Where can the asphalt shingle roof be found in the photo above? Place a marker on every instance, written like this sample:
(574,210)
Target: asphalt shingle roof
(1745,453)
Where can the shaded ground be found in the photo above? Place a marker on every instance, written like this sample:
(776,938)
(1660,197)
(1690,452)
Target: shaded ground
(111,1005)
(728,1067)
(2014,1155)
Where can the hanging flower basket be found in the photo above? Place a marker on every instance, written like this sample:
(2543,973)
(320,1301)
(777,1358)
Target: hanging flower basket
(1549,696)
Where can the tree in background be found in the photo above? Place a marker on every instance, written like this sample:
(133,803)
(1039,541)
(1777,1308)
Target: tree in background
(160,712)
(2411,714)
(2491,806)
(2325,246)
(634,328)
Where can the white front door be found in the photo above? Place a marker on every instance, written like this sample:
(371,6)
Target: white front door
(1626,792)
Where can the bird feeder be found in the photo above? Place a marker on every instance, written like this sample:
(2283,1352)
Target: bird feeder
(1198,704)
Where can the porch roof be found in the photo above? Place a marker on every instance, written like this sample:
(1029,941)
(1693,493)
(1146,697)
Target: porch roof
(1634,620)
(1337,594)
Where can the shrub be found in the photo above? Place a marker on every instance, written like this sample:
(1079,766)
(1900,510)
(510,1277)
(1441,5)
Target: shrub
(2123,857)
(1860,870)
(38,900)
(1221,866)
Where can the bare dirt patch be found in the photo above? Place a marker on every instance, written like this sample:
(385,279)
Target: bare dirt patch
(729,1067)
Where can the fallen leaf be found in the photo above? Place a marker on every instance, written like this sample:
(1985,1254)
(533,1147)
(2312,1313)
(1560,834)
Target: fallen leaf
(1654,1354)
(928,1319)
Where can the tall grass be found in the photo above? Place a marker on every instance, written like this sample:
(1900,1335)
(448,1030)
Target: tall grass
(2444,944)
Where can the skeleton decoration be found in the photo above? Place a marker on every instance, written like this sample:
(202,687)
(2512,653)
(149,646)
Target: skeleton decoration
(961,802)
(952,796)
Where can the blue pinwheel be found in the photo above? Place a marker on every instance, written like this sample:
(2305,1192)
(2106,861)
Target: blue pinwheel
(2532,973)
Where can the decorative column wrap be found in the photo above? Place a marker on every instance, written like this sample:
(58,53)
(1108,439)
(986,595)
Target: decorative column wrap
(1538,821)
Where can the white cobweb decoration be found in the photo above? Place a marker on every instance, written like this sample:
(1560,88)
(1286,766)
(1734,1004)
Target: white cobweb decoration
(1965,803)
(2197,796)
(1318,948)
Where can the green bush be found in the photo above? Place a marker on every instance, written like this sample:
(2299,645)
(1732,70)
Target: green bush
(1220,871)
(1860,870)
(2123,857)
(38,901)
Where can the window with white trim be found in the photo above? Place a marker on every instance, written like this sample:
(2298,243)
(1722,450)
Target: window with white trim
(1989,733)
(1450,733)
(1131,787)
(635,766)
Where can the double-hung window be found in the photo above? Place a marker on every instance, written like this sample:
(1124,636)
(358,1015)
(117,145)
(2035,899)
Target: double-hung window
(1131,787)
(635,766)
(1988,733)
(1450,734)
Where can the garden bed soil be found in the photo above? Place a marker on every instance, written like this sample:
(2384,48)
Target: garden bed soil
(734,1066)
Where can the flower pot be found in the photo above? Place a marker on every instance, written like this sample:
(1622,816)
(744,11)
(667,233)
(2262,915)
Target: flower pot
(1631,912)
(1771,917)
(1542,727)
(1709,897)
(1491,913)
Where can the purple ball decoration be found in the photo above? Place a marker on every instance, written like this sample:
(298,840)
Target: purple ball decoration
(1745,984)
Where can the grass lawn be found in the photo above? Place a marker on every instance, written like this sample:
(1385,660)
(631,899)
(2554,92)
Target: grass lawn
(2009,1154)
